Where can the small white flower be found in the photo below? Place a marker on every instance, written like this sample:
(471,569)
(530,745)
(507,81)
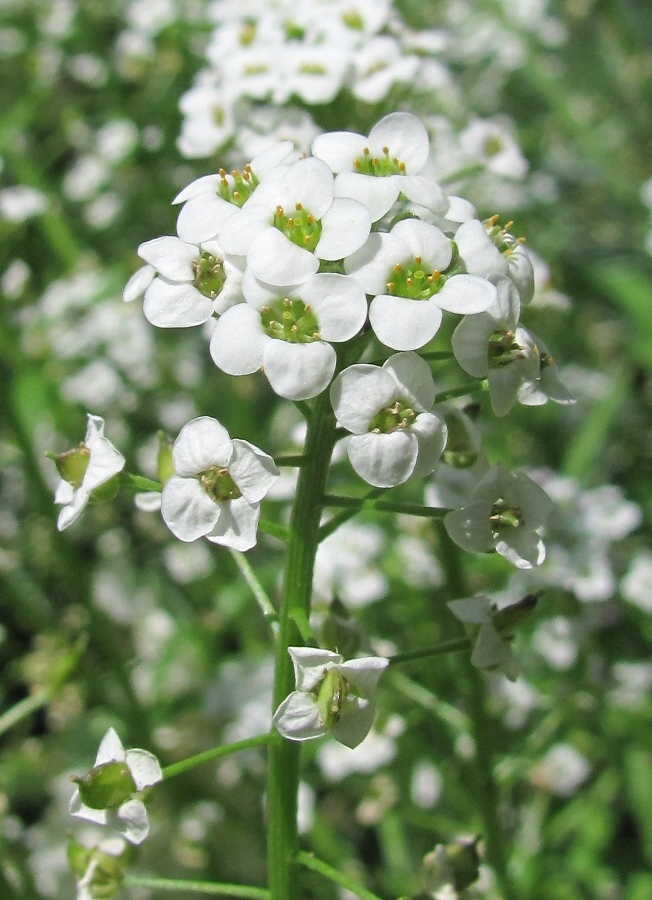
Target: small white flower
(331,696)
(490,250)
(128,817)
(99,460)
(218,486)
(389,411)
(212,199)
(192,282)
(548,384)
(286,331)
(292,221)
(413,275)
(504,513)
(494,345)
(376,169)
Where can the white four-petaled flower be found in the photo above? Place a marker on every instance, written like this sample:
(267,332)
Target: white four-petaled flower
(218,486)
(504,513)
(389,411)
(102,462)
(331,696)
(128,817)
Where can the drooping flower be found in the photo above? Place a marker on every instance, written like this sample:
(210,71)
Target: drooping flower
(395,434)
(331,696)
(413,274)
(110,794)
(84,470)
(377,168)
(218,486)
(504,513)
(287,331)
(191,282)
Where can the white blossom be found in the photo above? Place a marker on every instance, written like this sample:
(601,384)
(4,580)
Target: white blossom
(218,486)
(413,275)
(331,696)
(287,330)
(376,169)
(191,283)
(102,462)
(130,816)
(395,434)
(504,513)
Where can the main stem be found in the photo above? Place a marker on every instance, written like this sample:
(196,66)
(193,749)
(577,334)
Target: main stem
(283,755)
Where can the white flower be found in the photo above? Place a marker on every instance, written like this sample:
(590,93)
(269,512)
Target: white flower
(141,770)
(492,631)
(99,461)
(192,282)
(218,486)
(388,410)
(413,274)
(492,144)
(376,169)
(505,513)
(292,221)
(488,249)
(212,199)
(331,696)
(548,384)
(285,331)
(494,345)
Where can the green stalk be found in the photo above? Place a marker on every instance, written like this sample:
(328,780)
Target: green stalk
(334,875)
(283,755)
(260,740)
(179,885)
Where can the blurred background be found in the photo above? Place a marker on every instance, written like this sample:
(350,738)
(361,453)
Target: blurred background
(106,112)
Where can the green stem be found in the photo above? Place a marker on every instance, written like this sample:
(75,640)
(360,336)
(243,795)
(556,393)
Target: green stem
(340,518)
(23,708)
(198,887)
(291,460)
(264,603)
(260,740)
(334,875)
(475,691)
(445,647)
(283,756)
(359,503)
(273,528)
(473,387)
(139,483)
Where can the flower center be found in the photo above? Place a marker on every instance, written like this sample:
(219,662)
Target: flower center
(413,280)
(391,418)
(332,693)
(492,145)
(300,227)
(209,274)
(504,349)
(290,319)
(378,166)
(501,236)
(219,485)
(72,464)
(353,19)
(237,187)
(505,516)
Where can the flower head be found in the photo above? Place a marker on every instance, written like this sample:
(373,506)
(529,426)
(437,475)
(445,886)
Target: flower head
(331,696)
(218,486)
(389,411)
(376,169)
(84,470)
(110,794)
(504,513)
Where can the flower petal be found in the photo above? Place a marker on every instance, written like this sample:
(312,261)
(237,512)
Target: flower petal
(354,721)
(299,371)
(358,393)
(465,294)
(383,460)
(311,664)
(236,525)
(201,444)
(172,304)
(298,719)
(238,342)
(404,324)
(253,471)
(187,509)
(144,767)
(364,673)
(345,228)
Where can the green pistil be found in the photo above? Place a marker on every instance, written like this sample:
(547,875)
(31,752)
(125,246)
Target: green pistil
(209,274)
(255,69)
(353,20)
(492,145)
(290,320)
(219,485)
(392,418)
(301,227)
(331,696)
(293,32)
(247,34)
(501,236)
(503,349)
(505,516)
(413,281)
(240,189)
(312,69)
(381,167)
